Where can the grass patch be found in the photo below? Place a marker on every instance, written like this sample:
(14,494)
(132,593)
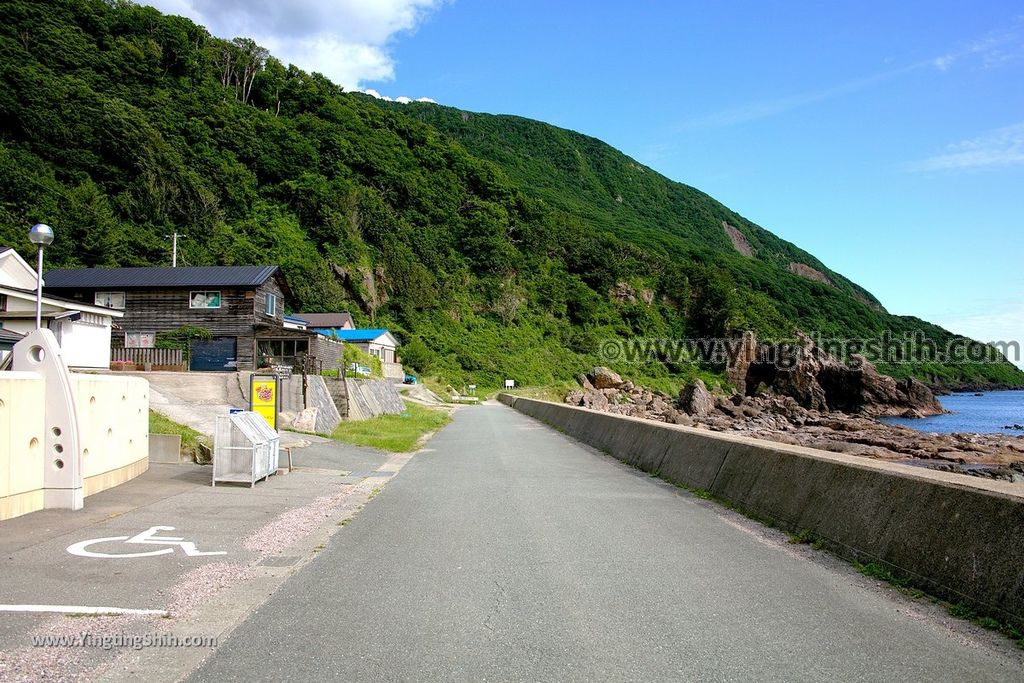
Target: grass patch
(876,571)
(190,438)
(955,610)
(393,433)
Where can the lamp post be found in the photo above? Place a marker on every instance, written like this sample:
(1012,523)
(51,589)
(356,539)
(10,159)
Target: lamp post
(41,235)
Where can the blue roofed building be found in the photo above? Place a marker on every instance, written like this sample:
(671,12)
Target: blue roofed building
(376,342)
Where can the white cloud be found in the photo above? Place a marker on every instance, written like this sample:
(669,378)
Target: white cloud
(997,148)
(346,40)
(401,100)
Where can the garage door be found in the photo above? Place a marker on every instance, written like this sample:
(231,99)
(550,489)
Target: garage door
(214,355)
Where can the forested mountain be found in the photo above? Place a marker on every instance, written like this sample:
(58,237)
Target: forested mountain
(492,245)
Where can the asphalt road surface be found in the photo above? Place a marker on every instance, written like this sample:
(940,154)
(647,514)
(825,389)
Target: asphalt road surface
(509,552)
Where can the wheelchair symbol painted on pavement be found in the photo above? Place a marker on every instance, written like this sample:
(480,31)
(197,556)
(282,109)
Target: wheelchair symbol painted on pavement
(147,537)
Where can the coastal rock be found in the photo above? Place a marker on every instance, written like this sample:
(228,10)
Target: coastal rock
(819,381)
(738,367)
(582,380)
(695,399)
(594,400)
(603,378)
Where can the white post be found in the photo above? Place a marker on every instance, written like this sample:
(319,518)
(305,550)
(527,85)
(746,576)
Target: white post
(174,250)
(39,289)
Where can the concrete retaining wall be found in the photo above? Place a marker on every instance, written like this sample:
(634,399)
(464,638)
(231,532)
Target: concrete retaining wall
(372,397)
(319,396)
(955,536)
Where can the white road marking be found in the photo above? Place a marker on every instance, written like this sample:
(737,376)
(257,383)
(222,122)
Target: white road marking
(80,609)
(147,537)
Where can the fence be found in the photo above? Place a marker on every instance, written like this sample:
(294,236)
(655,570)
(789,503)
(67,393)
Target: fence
(158,357)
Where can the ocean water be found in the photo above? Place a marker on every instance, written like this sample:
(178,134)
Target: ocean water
(985,414)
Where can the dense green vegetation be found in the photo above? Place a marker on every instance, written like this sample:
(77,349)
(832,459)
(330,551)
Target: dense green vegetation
(494,246)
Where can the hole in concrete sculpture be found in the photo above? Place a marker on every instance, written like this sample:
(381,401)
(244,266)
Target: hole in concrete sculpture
(85,452)
(56,431)
(36,354)
(34,443)
(1,403)
(59,464)
(92,400)
(110,432)
(58,448)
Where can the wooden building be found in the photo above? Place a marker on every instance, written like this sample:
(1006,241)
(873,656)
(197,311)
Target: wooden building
(240,307)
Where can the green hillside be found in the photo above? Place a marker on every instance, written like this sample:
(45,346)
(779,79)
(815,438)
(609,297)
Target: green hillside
(494,246)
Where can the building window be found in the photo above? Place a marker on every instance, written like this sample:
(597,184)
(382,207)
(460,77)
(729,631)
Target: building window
(3,302)
(271,301)
(110,299)
(204,299)
(139,340)
(280,351)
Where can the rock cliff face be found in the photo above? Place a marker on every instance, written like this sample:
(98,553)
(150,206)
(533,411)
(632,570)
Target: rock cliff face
(804,270)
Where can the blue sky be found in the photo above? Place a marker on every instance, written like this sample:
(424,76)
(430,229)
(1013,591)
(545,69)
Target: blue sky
(885,138)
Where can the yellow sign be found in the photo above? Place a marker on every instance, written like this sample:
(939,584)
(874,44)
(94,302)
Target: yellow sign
(263,395)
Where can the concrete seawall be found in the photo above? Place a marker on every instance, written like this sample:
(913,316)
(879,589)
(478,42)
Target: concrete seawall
(955,536)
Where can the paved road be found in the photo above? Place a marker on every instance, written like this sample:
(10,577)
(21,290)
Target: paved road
(510,552)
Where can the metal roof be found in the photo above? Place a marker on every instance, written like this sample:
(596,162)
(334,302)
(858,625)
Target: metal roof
(10,336)
(145,278)
(327,319)
(357,335)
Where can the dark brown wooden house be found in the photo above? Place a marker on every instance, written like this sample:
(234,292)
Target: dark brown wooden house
(238,305)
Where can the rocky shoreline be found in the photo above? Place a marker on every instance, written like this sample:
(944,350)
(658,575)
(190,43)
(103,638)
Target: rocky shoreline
(819,403)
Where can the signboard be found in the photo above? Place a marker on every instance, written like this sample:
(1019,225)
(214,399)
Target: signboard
(510,384)
(265,397)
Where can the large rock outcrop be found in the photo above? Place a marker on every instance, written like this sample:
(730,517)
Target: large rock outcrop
(695,399)
(819,381)
(603,378)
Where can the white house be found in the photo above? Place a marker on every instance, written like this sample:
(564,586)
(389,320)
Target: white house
(83,331)
(377,342)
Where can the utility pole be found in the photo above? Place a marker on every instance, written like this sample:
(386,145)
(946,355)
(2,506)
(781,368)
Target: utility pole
(174,249)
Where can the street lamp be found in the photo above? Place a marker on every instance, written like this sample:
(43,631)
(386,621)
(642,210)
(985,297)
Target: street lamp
(41,235)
